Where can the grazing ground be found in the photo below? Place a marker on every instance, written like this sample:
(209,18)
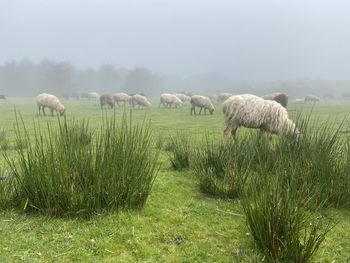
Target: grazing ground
(178,222)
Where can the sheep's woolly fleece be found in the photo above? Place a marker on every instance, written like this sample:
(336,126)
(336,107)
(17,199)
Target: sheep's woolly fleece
(201,101)
(254,112)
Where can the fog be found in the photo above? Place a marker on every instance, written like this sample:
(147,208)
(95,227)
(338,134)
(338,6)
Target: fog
(175,45)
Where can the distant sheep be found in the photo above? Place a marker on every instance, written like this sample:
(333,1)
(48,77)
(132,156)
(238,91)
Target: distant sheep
(182,97)
(223,96)
(107,99)
(312,98)
(299,101)
(254,112)
(121,97)
(50,101)
(2,97)
(140,101)
(93,95)
(281,98)
(168,100)
(202,102)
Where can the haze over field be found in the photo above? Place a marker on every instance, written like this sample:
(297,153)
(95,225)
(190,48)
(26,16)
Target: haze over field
(237,40)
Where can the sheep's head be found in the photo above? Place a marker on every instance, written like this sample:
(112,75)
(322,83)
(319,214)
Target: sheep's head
(61,109)
(211,111)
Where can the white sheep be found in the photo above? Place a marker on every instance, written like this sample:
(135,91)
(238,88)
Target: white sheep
(51,101)
(93,95)
(121,97)
(140,101)
(182,97)
(202,102)
(168,100)
(251,111)
(223,96)
(312,98)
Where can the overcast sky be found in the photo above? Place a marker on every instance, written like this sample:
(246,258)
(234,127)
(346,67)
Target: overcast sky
(244,39)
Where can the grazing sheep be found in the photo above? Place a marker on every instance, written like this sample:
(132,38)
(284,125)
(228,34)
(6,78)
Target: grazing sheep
(251,111)
(299,101)
(312,98)
(223,96)
(121,97)
(202,102)
(51,101)
(281,98)
(2,97)
(107,99)
(182,97)
(93,95)
(140,101)
(168,100)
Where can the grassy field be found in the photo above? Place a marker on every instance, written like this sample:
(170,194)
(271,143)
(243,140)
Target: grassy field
(178,223)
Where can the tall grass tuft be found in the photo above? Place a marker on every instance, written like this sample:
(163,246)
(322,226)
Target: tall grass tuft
(221,171)
(62,171)
(180,151)
(279,223)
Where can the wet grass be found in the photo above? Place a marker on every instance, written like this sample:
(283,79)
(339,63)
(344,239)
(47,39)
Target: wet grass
(177,224)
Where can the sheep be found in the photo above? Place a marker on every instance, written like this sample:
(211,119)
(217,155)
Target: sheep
(223,96)
(281,98)
(251,111)
(202,102)
(168,100)
(2,97)
(299,101)
(140,101)
(93,95)
(51,101)
(107,99)
(182,97)
(121,97)
(312,98)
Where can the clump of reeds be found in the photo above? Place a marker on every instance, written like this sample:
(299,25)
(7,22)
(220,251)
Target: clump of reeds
(277,218)
(181,151)
(62,171)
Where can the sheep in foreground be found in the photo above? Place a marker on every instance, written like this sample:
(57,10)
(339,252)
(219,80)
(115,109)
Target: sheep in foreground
(312,98)
(140,101)
(107,99)
(50,101)
(182,97)
(168,100)
(281,98)
(202,102)
(254,112)
(121,97)
(223,96)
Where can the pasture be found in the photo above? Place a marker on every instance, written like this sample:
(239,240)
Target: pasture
(178,223)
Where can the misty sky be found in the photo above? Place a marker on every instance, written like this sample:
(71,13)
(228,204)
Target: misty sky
(244,39)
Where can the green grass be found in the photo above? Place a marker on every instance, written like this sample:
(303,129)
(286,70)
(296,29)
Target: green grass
(177,224)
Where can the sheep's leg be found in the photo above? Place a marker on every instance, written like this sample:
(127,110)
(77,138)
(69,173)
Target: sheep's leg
(200,110)
(51,112)
(43,108)
(193,109)
(270,141)
(205,111)
(226,130)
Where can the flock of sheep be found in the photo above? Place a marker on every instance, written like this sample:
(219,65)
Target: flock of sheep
(267,113)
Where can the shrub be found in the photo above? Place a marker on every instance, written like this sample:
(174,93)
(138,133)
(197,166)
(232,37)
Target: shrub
(278,222)
(180,151)
(222,171)
(62,172)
